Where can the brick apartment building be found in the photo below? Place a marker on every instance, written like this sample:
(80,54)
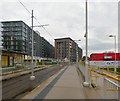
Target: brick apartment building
(66,48)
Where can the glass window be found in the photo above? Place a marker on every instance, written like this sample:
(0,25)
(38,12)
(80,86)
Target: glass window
(11,42)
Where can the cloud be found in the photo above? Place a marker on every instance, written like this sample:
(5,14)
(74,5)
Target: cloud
(68,19)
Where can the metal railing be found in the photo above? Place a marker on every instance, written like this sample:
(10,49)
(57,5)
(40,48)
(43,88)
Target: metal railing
(111,89)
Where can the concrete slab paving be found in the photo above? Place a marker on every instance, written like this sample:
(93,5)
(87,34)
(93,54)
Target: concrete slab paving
(68,85)
(65,93)
(41,87)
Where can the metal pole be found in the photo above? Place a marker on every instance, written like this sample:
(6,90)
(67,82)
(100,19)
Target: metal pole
(86,83)
(86,76)
(86,32)
(114,36)
(32,69)
(115,55)
(32,44)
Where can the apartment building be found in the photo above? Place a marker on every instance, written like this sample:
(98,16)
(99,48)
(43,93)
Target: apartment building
(67,49)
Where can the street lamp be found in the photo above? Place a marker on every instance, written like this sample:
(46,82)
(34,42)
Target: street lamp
(87,82)
(114,36)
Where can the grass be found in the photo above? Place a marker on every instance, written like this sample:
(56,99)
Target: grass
(22,68)
(117,70)
(112,69)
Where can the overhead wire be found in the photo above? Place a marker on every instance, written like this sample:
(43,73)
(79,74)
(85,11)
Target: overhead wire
(44,27)
(24,7)
(35,19)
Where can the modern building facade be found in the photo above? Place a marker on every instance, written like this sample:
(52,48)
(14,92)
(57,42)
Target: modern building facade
(17,37)
(67,49)
(47,49)
(80,53)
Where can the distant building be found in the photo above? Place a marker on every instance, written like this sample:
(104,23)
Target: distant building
(47,49)
(80,53)
(17,37)
(66,49)
(105,56)
(104,59)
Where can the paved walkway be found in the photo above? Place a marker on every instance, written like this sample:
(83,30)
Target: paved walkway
(67,84)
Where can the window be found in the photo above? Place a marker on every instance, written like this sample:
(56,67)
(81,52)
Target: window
(11,42)
(16,47)
(11,47)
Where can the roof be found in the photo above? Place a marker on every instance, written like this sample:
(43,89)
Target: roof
(12,21)
(64,38)
(15,22)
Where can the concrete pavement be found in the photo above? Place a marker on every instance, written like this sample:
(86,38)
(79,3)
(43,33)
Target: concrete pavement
(67,87)
(67,84)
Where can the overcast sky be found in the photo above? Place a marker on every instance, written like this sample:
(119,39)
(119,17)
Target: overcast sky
(67,19)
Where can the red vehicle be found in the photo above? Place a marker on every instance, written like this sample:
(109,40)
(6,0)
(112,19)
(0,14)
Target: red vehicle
(105,57)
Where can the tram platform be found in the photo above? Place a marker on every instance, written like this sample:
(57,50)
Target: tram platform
(67,84)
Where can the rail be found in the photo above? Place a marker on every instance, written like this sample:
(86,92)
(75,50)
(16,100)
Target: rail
(111,89)
(111,76)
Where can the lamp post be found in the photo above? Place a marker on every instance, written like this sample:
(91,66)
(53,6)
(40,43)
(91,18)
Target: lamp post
(114,36)
(87,82)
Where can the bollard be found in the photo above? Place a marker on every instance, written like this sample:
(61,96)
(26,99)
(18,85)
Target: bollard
(32,77)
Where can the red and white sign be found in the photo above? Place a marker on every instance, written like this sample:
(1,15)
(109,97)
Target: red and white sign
(107,57)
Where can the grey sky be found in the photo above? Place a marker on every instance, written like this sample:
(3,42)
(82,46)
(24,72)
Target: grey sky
(68,19)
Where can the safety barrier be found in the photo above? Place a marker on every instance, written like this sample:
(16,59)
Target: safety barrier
(111,76)
(85,73)
(111,89)
(82,69)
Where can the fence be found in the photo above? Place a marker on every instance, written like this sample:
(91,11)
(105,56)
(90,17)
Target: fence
(19,68)
(104,63)
(111,89)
